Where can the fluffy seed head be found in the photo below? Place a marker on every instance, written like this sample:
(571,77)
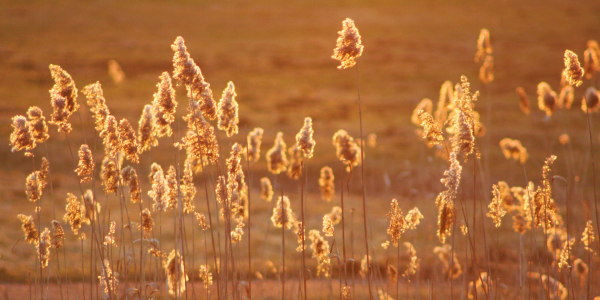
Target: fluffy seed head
(43,247)
(200,141)
(201,220)
(486,72)
(188,190)
(425,105)
(159,192)
(566,97)
(588,236)
(276,158)
(60,113)
(591,63)
(346,149)
(33,187)
(110,175)
(110,137)
(484,47)
(304,138)
(413,218)
(326,183)
(496,209)
(147,222)
(175,270)
(85,168)
(448,258)
(348,45)
(228,111)
(22,137)
(573,72)
(254,141)
(65,87)
(282,213)
(397,224)
(591,100)
(95,99)
(172,187)
(128,142)
(431,131)
(31,233)
(327,225)
(115,72)
(37,124)
(146,132)
(266,189)
(131,179)
(320,248)
(206,276)
(164,106)
(188,73)
(58,235)
(546,98)
(294,169)
(512,149)
(75,213)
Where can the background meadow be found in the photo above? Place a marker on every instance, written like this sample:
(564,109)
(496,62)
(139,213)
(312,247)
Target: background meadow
(278,55)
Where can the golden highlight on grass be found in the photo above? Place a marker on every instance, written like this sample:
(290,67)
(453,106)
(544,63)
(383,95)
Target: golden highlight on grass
(277,161)
(159,192)
(206,276)
(452,268)
(496,208)
(484,47)
(31,233)
(85,168)
(282,214)
(37,124)
(175,271)
(254,142)
(130,177)
(95,99)
(294,169)
(546,98)
(64,86)
(512,149)
(128,142)
(591,63)
(188,73)
(320,248)
(266,189)
(164,106)
(110,175)
(573,72)
(348,45)
(21,138)
(431,131)
(486,72)
(591,100)
(327,184)
(228,111)
(425,105)
(75,213)
(304,138)
(346,149)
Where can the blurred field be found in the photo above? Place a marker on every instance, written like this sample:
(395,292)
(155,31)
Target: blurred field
(278,56)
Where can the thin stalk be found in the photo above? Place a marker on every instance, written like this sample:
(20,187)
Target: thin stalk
(282,251)
(593,173)
(303,226)
(212,239)
(362,180)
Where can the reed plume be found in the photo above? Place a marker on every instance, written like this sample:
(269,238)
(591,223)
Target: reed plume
(573,72)
(445,102)
(130,177)
(33,187)
(320,248)
(524,101)
(85,168)
(31,233)
(591,100)
(480,288)
(75,213)
(115,72)
(581,270)
(58,235)
(546,98)
(397,224)
(60,112)
(164,106)
(431,131)
(327,226)
(254,142)
(588,236)
(555,288)
(110,175)
(188,73)
(425,105)
(445,200)
(484,47)
(172,190)
(146,132)
(346,149)
(128,142)
(276,159)
(175,271)
(266,189)
(300,234)
(188,190)
(147,222)
(496,209)
(282,214)
(413,264)
(304,138)
(512,149)
(566,97)
(448,258)
(110,137)
(159,192)
(65,87)
(37,124)
(565,254)
(327,184)
(43,247)
(206,276)
(486,72)
(109,238)
(95,99)
(413,218)
(22,137)
(201,220)
(228,111)
(109,281)
(348,45)
(365,268)
(201,145)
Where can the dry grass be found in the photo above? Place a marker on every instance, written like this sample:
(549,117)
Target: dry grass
(279,57)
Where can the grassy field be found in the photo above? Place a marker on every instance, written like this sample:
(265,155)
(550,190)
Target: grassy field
(278,55)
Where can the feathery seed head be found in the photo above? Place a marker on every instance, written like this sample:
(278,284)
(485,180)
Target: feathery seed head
(65,87)
(85,168)
(484,47)
(206,276)
(546,98)
(266,189)
(128,142)
(486,72)
(172,187)
(95,99)
(524,101)
(58,235)
(131,178)
(31,233)
(228,111)
(175,271)
(110,137)
(294,169)
(22,137)
(159,192)
(60,113)
(431,131)
(276,158)
(75,213)
(573,72)
(496,209)
(282,213)
(164,106)
(147,222)
(43,247)
(33,187)
(591,100)
(327,225)
(37,124)
(346,149)
(304,139)
(146,131)
(348,45)
(110,175)
(591,63)
(425,105)
(254,141)
(326,183)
